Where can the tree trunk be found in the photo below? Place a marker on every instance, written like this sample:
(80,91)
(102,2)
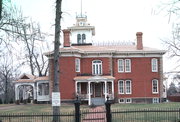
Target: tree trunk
(56,109)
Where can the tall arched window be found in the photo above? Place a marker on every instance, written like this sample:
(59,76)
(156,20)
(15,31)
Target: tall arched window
(79,38)
(83,38)
(97,67)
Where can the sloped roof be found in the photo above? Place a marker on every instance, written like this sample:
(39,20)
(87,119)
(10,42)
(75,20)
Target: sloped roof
(42,78)
(31,78)
(110,49)
(94,77)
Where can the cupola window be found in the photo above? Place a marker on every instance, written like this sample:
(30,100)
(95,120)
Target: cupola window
(79,38)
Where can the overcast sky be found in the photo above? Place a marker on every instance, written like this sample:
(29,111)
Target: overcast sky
(114,20)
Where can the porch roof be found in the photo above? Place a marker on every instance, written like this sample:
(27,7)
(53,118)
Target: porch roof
(93,78)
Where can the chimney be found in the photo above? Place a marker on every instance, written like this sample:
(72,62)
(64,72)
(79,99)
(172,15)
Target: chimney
(139,40)
(66,34)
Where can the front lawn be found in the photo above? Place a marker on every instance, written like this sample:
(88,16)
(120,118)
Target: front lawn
(47,108)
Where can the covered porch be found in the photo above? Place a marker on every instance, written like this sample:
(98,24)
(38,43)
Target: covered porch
(94,89)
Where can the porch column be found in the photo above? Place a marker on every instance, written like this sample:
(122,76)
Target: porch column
(89,91)
(35,91)
(16,92)
(105,90)
(23,92)
(112,89)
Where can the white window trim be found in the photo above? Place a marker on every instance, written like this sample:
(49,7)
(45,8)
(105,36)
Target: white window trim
(129,65)
(129,99)
(130,87)
(119,87)
(155,100)
(157,87)
(122,65)
(154,61)
(77,64)
(121,99)
(98,65)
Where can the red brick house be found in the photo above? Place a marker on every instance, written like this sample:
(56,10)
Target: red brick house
(128,73)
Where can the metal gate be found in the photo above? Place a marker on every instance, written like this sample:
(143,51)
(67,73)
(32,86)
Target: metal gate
(96,114)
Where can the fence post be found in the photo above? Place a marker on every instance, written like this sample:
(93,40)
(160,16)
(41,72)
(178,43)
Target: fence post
(77,109)
(108,110)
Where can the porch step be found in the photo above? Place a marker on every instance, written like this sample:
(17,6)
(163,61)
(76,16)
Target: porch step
(97,101)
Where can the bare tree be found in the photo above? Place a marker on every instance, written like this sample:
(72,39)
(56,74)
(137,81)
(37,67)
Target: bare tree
(8,73)
(29,35)
(170,8)
(173,44)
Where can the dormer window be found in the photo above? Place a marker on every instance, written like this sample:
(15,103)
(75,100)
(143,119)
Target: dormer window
(81,38)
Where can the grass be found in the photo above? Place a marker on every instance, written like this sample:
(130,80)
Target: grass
(47,108)
(116,116)
(146,106)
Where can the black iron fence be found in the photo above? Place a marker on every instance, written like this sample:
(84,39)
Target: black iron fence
(94,115)
(99,114)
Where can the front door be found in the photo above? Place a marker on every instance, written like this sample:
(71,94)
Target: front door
(98,89)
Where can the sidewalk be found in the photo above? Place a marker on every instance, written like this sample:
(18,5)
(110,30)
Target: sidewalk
(97,114)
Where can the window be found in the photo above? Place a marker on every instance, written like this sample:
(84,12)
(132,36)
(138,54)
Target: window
(128,87)
(124,65)
(97,67)
(120,65)
(121,87)
(43,89)
(155,86)
(77,65)
(79,38)
(128,100)
(154,65)
(121,100)
(155,100)
(124,87)
(127,65)
(83,38)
